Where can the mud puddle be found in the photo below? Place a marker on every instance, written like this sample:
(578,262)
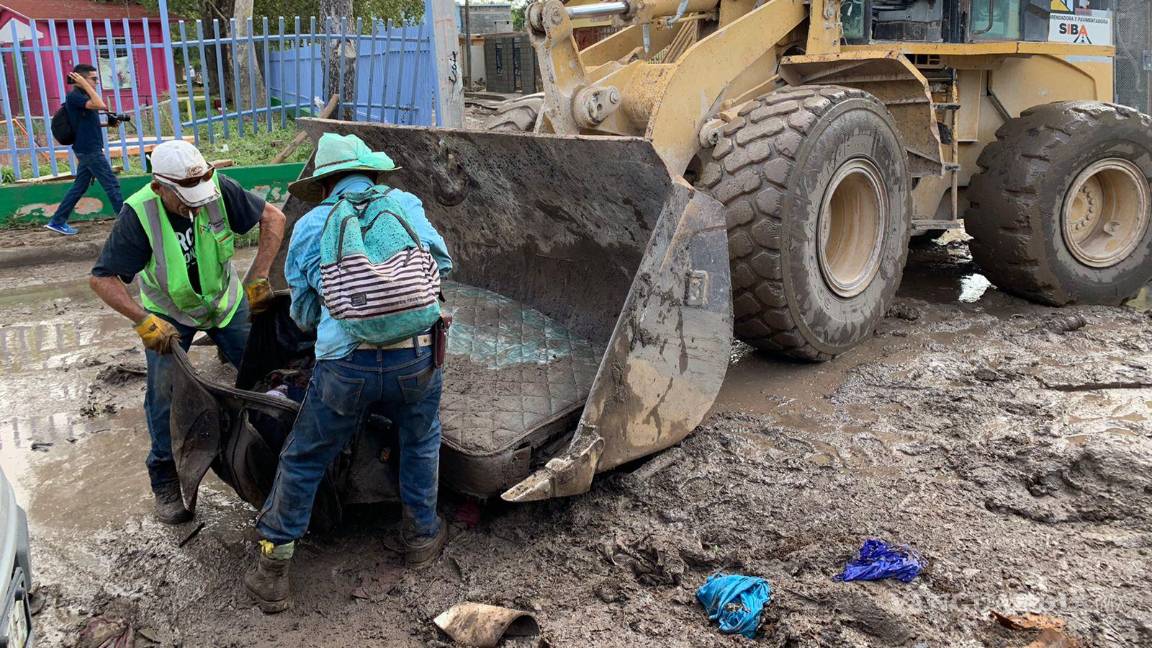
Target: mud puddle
(70,369)
(974,431)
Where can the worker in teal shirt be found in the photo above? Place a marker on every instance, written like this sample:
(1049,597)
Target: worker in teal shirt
(350,376)
(302,268)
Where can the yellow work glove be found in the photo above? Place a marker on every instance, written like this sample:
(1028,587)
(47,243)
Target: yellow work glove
(259,294)
(158,334)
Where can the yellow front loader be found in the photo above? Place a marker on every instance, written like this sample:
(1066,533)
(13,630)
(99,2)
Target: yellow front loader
(756,167)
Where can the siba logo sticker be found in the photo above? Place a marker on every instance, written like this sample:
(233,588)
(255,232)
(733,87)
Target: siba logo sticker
(1085,27)
(1079,33)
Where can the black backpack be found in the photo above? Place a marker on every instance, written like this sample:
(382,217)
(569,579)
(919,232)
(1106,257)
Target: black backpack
(62,127)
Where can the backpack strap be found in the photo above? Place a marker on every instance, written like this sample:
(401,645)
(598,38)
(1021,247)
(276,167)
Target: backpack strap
(328,220)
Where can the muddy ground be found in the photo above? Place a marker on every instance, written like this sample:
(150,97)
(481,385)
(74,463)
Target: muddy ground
(1014,454)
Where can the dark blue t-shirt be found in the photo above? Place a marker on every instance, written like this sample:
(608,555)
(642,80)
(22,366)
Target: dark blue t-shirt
(127,250)
(85,123)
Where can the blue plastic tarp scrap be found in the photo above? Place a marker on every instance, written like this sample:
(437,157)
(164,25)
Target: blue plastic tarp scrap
(878,560)
(735,602)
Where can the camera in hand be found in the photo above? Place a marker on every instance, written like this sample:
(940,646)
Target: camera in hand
(117,118)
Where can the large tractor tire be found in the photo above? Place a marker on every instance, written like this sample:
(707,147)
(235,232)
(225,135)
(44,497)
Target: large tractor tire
(516,115)
(815,184)
(1060,212)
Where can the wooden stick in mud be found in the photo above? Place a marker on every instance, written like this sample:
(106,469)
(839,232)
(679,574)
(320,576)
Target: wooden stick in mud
(301,136)
(1094,386)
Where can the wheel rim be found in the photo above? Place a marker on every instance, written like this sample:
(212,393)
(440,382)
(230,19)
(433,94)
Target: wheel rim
(1105,214)
(853,219)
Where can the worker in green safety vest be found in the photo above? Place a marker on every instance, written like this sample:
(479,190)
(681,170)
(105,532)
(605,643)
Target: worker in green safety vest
(178,235)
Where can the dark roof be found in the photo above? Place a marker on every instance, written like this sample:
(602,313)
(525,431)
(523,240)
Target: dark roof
(78,9)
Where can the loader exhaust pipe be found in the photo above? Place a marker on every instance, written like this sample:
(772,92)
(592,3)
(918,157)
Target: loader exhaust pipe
(642,11)
(598,9)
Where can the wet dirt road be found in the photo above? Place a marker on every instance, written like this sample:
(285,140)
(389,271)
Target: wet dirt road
(1014,454)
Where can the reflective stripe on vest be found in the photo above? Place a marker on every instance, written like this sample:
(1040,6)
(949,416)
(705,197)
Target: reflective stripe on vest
(155,286)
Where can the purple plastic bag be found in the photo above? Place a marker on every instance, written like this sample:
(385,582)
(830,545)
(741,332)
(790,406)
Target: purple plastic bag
(878,560)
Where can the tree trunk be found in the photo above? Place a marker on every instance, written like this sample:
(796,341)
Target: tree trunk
(247,63)
(340,25)
(217,10)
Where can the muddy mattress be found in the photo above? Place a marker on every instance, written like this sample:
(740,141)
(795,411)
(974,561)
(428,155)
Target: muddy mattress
(513,376)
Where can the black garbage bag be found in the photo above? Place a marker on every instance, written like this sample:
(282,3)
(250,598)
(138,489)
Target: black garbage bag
(275,342)
(239,432)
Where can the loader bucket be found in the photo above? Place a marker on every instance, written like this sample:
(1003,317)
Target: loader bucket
(591,295)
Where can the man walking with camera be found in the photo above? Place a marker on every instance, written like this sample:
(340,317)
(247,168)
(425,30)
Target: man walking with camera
(83,105)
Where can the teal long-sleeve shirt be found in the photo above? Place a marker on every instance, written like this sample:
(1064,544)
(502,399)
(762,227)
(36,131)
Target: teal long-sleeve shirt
(302,267)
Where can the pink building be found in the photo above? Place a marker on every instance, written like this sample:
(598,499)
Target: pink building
(122,71)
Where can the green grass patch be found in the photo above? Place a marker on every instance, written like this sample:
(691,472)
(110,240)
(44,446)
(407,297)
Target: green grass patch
(256,148)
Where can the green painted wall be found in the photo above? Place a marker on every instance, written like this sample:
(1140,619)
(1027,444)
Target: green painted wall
(35,203)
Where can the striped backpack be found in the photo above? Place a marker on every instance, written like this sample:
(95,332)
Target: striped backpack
(377,280)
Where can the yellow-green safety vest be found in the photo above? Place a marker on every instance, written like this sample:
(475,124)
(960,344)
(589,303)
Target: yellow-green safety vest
(165,287)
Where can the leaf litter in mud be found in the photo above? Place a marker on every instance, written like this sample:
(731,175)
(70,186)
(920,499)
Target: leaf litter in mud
(105,394)
(121,374)
(103,632)
(652,560)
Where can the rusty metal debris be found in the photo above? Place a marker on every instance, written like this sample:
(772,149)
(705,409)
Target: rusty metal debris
(1051,629)
(1028,621)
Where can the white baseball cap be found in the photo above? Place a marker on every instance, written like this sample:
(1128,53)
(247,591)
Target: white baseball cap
(181,166)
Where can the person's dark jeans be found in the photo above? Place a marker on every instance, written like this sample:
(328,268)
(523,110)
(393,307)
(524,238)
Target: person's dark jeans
(231,341)
(89,167)
(403,385)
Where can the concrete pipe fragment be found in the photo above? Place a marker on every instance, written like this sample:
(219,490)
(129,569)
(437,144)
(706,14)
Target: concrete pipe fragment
(477,624)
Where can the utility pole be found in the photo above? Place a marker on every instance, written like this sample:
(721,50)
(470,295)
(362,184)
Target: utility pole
(467,45)
(444,16)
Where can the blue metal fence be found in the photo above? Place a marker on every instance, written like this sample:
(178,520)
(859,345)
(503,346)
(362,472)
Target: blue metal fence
(394,74)
(187,79)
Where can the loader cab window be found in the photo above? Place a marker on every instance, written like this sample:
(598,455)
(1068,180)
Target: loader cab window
(1025,20)
(869,21)
(955,21)
(995,20)
(852,20)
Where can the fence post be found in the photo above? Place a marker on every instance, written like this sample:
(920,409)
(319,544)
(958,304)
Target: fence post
(445,42)
(170,66)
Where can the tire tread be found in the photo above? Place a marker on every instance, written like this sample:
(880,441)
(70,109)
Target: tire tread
(777,122)
(1004,216)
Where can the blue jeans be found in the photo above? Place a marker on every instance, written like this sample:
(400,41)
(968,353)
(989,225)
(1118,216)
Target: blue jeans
(231,341)
(403,385)
(89,167)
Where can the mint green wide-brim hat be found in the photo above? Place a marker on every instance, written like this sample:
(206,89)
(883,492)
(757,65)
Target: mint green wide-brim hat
(338,154)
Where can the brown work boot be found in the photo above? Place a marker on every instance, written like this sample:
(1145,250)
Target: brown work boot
(267,581)
(420,550)
(170,505)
